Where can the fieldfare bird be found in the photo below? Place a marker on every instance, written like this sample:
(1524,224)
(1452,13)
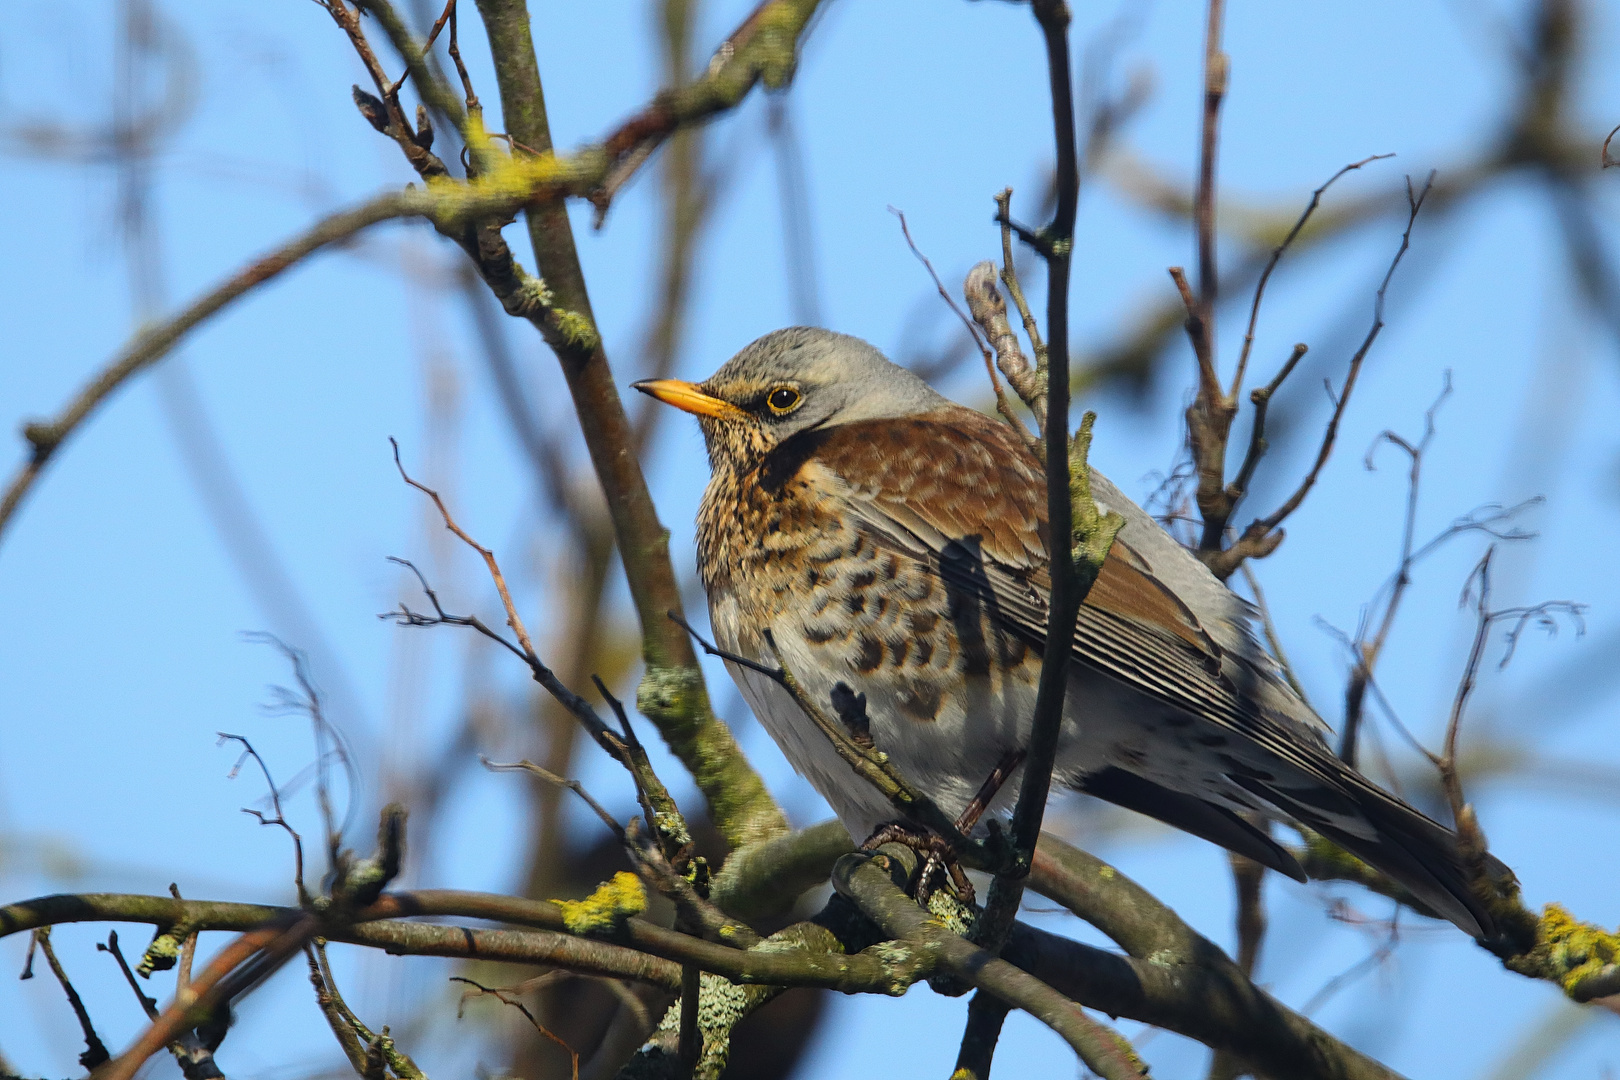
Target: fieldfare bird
(860,528)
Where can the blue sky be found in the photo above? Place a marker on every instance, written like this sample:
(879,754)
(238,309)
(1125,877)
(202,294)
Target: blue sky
(121,654)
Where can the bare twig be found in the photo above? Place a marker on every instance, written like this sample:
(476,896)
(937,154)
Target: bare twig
(1262,536)
(188,953)
(1009,278)
(560,781)
(1477,592)
(346,1029)
(153,343)
(1276,257)
(507,997)
(278,818)
(238,966)
(1003,406)
(95,1051)
(1065,474)
(664,817)
(1368,650)
(148,1004)
(1604,159)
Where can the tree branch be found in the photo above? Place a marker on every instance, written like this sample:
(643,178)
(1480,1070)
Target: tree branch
(1063,606)
(672,692)
(874,885)
(153,343)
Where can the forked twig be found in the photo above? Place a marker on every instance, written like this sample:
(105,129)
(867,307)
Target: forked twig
(95,1051)
(506,997)
(1003,406)
(1263,535)
(1276,257)
(279,818)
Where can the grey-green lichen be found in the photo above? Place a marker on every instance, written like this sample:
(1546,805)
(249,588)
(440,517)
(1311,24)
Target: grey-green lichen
(903,963)
(576,328)
(605,910)
(721,1004)
(664,693)
(675,700)
(399,1062)
(954,915)
(532,297)
(164,951)
(672,826)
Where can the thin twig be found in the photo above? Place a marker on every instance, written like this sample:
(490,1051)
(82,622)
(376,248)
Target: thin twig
(245,961)
(152,343)
(188,953)
(507,997)
(1003,406)
(1368,650)
(345,1028)
(448,15)
(95,1051)
(280,818)
(1262,536)
(1276,257)
(1063,607)
(148,1004)
(1009,278)
(664,817)
(560,781)
(1260,398)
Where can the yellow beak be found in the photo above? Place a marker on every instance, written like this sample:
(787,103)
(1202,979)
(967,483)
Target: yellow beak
(689,398)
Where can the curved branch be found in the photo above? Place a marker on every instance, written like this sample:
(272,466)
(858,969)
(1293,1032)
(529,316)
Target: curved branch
(867,882)
(639,950)
(153,343)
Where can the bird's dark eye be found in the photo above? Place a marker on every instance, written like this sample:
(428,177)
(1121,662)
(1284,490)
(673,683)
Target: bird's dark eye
(784,399)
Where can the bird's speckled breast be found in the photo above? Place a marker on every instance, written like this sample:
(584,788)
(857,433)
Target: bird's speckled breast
(773,539)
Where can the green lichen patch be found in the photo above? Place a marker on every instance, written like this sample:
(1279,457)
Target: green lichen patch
(576,328)
(605,910)
(161,955)
(952,914)
(1567,951)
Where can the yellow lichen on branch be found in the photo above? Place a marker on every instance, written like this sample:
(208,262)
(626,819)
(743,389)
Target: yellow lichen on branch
(1583,959)
(606,909)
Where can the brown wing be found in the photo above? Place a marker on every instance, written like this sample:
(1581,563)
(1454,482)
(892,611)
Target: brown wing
(960,477)
(959,489)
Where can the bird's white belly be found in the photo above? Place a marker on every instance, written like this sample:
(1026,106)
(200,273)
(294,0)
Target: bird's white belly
(947,758)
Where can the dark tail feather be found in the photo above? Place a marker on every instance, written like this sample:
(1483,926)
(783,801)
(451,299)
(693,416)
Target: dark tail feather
(1418,852)
(1208,821)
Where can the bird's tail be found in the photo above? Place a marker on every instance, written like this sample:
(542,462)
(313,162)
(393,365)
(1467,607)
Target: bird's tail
(1401,841)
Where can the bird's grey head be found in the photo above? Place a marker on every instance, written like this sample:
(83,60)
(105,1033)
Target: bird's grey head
(791,381)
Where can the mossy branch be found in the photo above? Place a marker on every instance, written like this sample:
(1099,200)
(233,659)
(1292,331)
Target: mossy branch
(1092,532)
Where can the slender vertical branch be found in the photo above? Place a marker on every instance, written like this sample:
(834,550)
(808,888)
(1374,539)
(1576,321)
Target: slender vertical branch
(1216,68)
(1209,418)
(95,1051)
(1063,608)
(673,694)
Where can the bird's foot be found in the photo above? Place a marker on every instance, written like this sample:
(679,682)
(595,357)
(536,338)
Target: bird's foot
(938,860)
